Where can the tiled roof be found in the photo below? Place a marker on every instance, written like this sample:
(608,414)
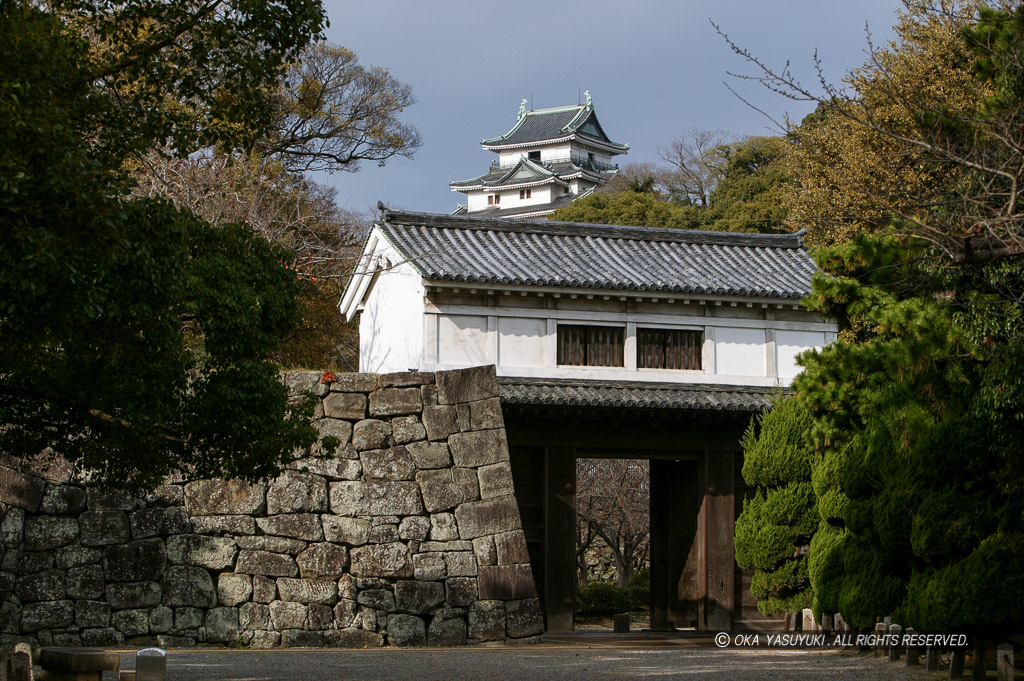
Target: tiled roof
(526,171)
(549,124)
(532,209)
(632,395)
(466,248)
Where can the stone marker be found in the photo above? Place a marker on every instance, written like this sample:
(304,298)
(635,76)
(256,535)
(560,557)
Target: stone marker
(913,652)
(931,659)
(621,621)
(16,666)
(881,628)
(956,664)
(150,665)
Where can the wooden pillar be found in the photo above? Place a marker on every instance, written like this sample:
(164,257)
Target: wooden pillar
(560,537)
(675,505)
(660,577)
(720,560)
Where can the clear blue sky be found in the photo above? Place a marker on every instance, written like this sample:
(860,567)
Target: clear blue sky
(654,69)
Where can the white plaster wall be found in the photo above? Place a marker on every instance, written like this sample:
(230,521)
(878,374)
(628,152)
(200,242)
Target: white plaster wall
(740,352)
(462,340)
(558,152)
(789,344)
(476,200)
(391,325)
(521,342)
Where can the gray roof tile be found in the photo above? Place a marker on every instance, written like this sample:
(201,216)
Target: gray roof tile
(633,395)
(461,248)
(548,124)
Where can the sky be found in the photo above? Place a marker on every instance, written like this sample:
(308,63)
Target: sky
(655,68)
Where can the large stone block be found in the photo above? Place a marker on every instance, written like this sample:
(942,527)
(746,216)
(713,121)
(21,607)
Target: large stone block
(486,414)
(495,480)
(184,585)
(395,401)
(406,630)
(47,615)
(221,625)
(355,383)
(215,553)
(265,542)
(254,616)
(429,566)
(439,490)
(429,454)
(407,429)
(351,406)
(304,526)
(440,421)
(351,531)
(287,615)
(320,591)
(225,497)
(395,463)
(418,597)
(414,527)
(378,599)
(322,560)
(371,434)
(42,586)
(297,493)
(188,618)
(506,582)
(103,528)
(45,533)
(167,495)
(158,522)
(85,581)
(466,479)
(264,589)
(460,591)
(336,428)
(12,527)
(21,490)
(131,622)
(382,560)
(111,499)
(486,553)
(352,638)
(478,448)
(224,524)
(63,500)
(330,468)
(266,563)
(466,385)
(490,516)
(70,556)
(524,618)
(376,498)
(137,561)
(460,563)
(132,595)
(92,614)
(27,562)
(486,621)
(511,548)
(443,528)
(233,589)
(446,631)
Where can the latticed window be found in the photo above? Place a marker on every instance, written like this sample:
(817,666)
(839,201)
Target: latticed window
(595,346)
(668,349)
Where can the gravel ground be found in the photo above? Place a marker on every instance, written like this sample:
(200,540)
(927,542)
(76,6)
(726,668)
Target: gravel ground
(544,662)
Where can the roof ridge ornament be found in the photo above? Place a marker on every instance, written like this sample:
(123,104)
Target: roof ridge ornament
(589,100)
(522,110)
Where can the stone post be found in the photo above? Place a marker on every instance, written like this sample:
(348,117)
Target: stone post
(15,667)
(913,651)
(895,647)
(881,629)
(956,664)
(978,660)
(826,623)
(931,659)
(1004,662)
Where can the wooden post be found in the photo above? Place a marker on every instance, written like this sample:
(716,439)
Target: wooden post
(560,538)
(1004,662)
(719,515)
(881,629)
(931,659)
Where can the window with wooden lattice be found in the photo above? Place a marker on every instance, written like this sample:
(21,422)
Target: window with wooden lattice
(668,349)
(594,346)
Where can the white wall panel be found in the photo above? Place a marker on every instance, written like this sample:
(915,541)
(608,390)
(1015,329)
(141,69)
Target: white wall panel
(462,339)
(789,344)
(740,352)
(521,341)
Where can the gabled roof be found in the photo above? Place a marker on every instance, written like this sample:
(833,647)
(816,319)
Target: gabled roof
(632,395)
(458,248)
(525,172)
(518,212)
(555,124)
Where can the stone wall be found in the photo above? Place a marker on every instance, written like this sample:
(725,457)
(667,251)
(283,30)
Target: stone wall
(409,535)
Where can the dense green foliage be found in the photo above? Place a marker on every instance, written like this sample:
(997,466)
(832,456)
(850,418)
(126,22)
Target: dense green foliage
(602,598)
(775,526)
(134,336)
(748,196)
